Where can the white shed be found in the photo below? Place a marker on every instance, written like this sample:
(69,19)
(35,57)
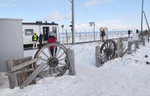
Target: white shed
(11,41)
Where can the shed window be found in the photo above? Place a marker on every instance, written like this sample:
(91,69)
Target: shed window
(29,32)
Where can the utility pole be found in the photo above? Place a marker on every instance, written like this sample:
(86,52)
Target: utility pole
(146,20)
(147,25)
(73,23)
(62,26)
(142,16)
(94,31)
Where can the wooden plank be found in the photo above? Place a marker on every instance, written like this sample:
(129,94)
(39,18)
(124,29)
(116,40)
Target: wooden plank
(22,60)
(11,76)
(33,75)
(21,77)
(24,64)
(24,71)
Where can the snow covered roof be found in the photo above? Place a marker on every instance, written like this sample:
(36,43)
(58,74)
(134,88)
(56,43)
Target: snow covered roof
(39,23)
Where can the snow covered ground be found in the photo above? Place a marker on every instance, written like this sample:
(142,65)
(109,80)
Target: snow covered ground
(127,76)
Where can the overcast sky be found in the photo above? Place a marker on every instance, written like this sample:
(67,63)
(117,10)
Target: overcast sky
(114,14)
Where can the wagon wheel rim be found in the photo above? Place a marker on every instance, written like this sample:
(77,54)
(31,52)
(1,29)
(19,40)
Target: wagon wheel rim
(107,51)
(57,61)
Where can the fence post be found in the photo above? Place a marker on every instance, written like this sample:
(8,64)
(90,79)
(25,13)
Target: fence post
(66,36)
(72,62)
(129,47)
(119,51)
(144,41)
(137,44)
(80,36)
(97,56)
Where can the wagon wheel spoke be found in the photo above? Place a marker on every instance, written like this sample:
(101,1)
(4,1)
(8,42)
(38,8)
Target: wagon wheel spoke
(45,54)
(105,45)
(108,45)
(61,55)
(48,71)
(103,57)
(61,64)
(62,59)
(60,70)
(111,56)
(58,52)
(51,72)
(54,54)
(55,70)
(49,51)
(45,66)
(43,59)
(111,45)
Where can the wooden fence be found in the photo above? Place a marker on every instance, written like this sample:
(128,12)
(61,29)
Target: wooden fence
(18,73)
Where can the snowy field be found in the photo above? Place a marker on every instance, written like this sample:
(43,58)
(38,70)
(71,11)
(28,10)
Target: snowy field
(127,76)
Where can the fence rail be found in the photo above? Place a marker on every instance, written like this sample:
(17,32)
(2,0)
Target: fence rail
(66,38)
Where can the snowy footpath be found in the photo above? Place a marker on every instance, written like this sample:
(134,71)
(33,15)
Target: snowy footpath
(127,76)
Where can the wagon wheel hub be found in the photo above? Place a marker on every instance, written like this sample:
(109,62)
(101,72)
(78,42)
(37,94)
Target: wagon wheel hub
(53,62)
(108,51)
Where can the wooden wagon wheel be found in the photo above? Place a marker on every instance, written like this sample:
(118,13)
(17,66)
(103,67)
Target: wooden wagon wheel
(107,51)
(55,56)
(49,62)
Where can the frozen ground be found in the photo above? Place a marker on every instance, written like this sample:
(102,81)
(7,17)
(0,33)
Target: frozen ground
(127,76)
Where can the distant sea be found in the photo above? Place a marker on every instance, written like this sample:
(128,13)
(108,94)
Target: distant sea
(91,33)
